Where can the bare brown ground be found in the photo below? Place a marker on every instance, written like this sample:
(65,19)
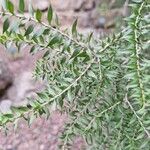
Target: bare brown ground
(42,135)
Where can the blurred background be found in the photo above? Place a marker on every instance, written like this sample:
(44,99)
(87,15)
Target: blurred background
(93,15)
(99,16)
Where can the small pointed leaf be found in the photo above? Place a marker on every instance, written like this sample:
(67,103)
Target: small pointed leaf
(38,15)
(10,6)
(53,41)
(46,54)
(74,28)
(21,5)
(29,30)
(6,25)
(50,14)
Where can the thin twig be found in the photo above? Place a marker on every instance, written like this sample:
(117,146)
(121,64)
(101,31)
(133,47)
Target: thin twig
(138,69)
(100,114)
(55,97)
(82,45)
(45,25)
(138,118)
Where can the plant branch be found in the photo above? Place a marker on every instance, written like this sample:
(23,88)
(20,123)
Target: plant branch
(100,114)
(138,69)
(138,118)
(55,97)
(82,45)
(47,26)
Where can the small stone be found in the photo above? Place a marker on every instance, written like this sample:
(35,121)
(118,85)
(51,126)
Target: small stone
(101,22)
(5,106)
(9,147)
(42,147)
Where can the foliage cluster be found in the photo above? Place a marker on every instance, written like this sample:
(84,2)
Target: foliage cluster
(103,85)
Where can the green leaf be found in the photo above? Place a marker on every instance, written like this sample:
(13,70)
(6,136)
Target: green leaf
(41,39)
(38,15)
(50,14)
(47,113)
(6,25)
(74,28)
(10,6)
(46,31)
(23,109)
(21,6)
(57,20)
(35,39)
(83,54)
(51,91)
(31,119)
(29,30)
(43,96)
(53,41)
(9,115)
(90,37)
(46,54)
(92,74)
(20,36)
(69,94)
(32,49)
(89,139)
(75,53)
(61,102)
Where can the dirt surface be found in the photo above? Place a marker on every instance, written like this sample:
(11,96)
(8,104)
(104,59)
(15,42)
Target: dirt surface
(42,135)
